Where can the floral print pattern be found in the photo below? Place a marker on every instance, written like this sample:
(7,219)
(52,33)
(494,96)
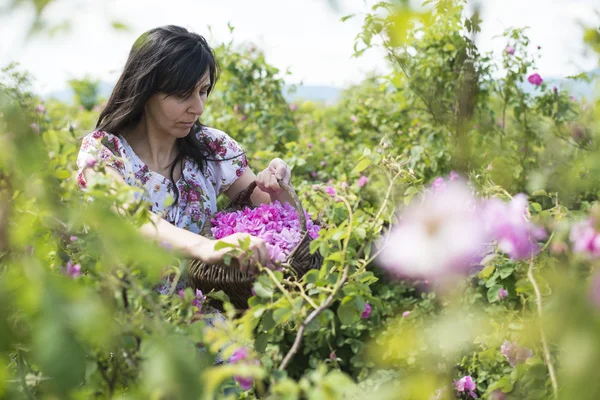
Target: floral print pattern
(197,191)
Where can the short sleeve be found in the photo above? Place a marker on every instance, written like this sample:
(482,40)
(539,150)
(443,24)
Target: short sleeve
(229,161)
(99,148)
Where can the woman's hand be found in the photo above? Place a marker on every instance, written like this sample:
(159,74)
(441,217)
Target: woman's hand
(266,180)
(206,252)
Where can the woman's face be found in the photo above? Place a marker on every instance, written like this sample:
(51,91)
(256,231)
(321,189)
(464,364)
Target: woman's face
(174,115)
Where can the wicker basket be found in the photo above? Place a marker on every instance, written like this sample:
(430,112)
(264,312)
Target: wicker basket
(237,284)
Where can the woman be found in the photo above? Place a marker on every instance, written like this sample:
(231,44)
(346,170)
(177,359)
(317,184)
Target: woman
(149,135)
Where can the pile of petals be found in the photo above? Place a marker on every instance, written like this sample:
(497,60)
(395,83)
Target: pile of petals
(278,225)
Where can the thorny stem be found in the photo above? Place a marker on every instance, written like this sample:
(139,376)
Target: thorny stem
(340,282)
(302,293)
(279,286)
(538,296)
(387,196)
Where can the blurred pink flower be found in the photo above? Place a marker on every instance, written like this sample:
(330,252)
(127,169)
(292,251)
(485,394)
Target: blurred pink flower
(466,385)
(332,356)
(514,353)
(405,314)
(241,354)
(489,167)
(507,224)
(585,238)
(73,270)
(354,118)
(323,163)
(323,140)
(510,50)
(313,174)
(310,145)
(236,108)
(502,294)
(362,181)
(35,127)
(437,236)
(438,183)
(365,314)
(73,238)
(293,107)
(535,79)
(40,109)
(453,176)
(330,190)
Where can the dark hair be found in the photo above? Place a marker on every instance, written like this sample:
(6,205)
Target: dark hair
(170,60)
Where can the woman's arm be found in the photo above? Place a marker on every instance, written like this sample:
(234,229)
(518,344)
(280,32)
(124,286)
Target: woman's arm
(189,244)
(158,229)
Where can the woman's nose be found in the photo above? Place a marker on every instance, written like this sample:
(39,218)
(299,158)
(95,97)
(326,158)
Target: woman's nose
(197,105)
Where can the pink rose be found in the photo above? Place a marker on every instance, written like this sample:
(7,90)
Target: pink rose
(535,79)
(362,181)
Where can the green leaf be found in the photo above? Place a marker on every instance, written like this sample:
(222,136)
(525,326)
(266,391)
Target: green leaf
(361,166)
(120,26)
(268,322)
(347,17)
(536,207)
(539,193)
(224,245)
(337,256)
(261,341)
(347,312)
(62,174)
(262,291)
(282,315)
(220,295)
(486,272)
(492,293)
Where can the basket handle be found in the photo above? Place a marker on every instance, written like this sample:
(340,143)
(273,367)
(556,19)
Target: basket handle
(297,205)
(244,198)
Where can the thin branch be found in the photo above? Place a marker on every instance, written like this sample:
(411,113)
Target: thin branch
(387,196)
(340,282)
(279,286)
(310,318)
(538,296)
(302,293)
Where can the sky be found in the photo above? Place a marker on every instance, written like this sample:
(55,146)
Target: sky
(304,36)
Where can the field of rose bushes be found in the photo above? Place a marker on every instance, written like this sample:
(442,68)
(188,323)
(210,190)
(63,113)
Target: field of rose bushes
(460,235)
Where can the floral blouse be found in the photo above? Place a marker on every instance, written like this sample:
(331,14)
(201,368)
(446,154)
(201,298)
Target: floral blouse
(197,191)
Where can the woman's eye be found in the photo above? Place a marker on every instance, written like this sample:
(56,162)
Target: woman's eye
(203,93)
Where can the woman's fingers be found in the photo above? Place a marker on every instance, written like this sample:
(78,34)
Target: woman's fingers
(267,182)
(256,253)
